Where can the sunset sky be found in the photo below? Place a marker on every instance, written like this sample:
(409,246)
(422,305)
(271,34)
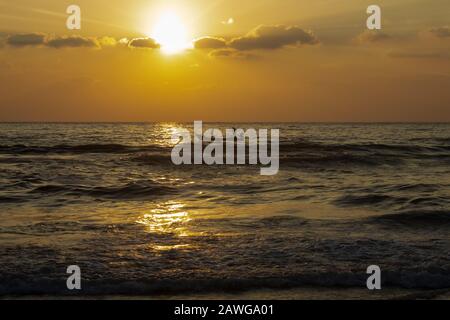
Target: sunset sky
(253,60)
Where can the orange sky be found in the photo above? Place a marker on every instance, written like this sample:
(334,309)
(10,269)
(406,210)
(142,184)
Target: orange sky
(278,61)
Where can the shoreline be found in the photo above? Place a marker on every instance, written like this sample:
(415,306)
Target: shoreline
(307,293)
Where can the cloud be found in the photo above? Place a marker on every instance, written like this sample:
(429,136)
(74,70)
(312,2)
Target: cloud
(441,32)
(372,37)
(262,37)
(273,37)
(231,53)
(76,41)
(26,39)
(73,42)
(148,43)
(40,39)
(419,55)
(210,43)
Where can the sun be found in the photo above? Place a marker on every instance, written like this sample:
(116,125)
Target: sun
(170,33)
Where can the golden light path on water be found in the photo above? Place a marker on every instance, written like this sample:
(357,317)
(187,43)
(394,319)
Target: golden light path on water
(167,218)
(165,133)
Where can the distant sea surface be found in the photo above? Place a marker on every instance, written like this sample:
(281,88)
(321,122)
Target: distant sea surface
(106,197)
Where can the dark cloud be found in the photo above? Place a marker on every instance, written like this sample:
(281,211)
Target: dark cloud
(210,43)
(441,32)
(231,53)
(148,43)
(26,39)
(273,37)
(372,36)
(73,42)
(263,37)
(40,39)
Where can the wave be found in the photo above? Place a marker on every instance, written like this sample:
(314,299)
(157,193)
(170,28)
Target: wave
(253,224)
(330,160)
(77,149)
(10,199)
(411,279)
(152,158)
(388,199)
(368,200)
(289,160)
(130,191)
(285,146)
(418,187)
(418,218)
(51,228)
(302,145)
(445,141)
(304,153)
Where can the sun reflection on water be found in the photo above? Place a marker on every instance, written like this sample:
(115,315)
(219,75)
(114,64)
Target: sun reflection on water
(168,218)
(171,247)
(165,132)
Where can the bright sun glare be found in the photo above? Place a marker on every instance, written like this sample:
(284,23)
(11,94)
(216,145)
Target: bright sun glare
(170,33)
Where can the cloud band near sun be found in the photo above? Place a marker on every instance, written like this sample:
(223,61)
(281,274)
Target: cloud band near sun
(262,37)
(40,39)
(146,43)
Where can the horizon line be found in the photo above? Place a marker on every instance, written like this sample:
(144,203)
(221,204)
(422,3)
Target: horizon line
(184,122)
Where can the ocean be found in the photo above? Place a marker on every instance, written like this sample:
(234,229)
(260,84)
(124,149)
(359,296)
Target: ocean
(107,198)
